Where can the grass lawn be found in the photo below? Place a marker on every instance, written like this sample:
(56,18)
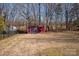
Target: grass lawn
(41,44)
(63,51)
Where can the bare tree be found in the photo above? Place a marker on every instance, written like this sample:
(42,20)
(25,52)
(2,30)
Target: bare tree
(74,15)
(39,14)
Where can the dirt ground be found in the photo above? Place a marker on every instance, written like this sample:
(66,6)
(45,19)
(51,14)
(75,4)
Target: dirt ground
(50,43)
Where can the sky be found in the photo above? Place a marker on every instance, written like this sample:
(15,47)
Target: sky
(14,10)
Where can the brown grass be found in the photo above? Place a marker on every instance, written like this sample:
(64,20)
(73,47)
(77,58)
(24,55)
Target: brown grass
(48,44)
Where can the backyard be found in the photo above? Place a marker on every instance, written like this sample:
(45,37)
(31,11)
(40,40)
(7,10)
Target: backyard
(40,44)
(39,29)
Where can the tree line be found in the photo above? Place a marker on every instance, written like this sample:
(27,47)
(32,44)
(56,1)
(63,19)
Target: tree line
(54,16)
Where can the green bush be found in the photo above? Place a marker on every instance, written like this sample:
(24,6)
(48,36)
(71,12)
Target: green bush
(2,24)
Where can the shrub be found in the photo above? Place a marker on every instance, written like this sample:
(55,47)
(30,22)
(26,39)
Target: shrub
(2,24)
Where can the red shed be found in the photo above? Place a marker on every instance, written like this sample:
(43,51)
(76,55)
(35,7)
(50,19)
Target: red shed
(35,29)
(41,28)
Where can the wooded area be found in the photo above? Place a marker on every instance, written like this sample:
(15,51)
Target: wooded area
(51,16)
(31,29)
